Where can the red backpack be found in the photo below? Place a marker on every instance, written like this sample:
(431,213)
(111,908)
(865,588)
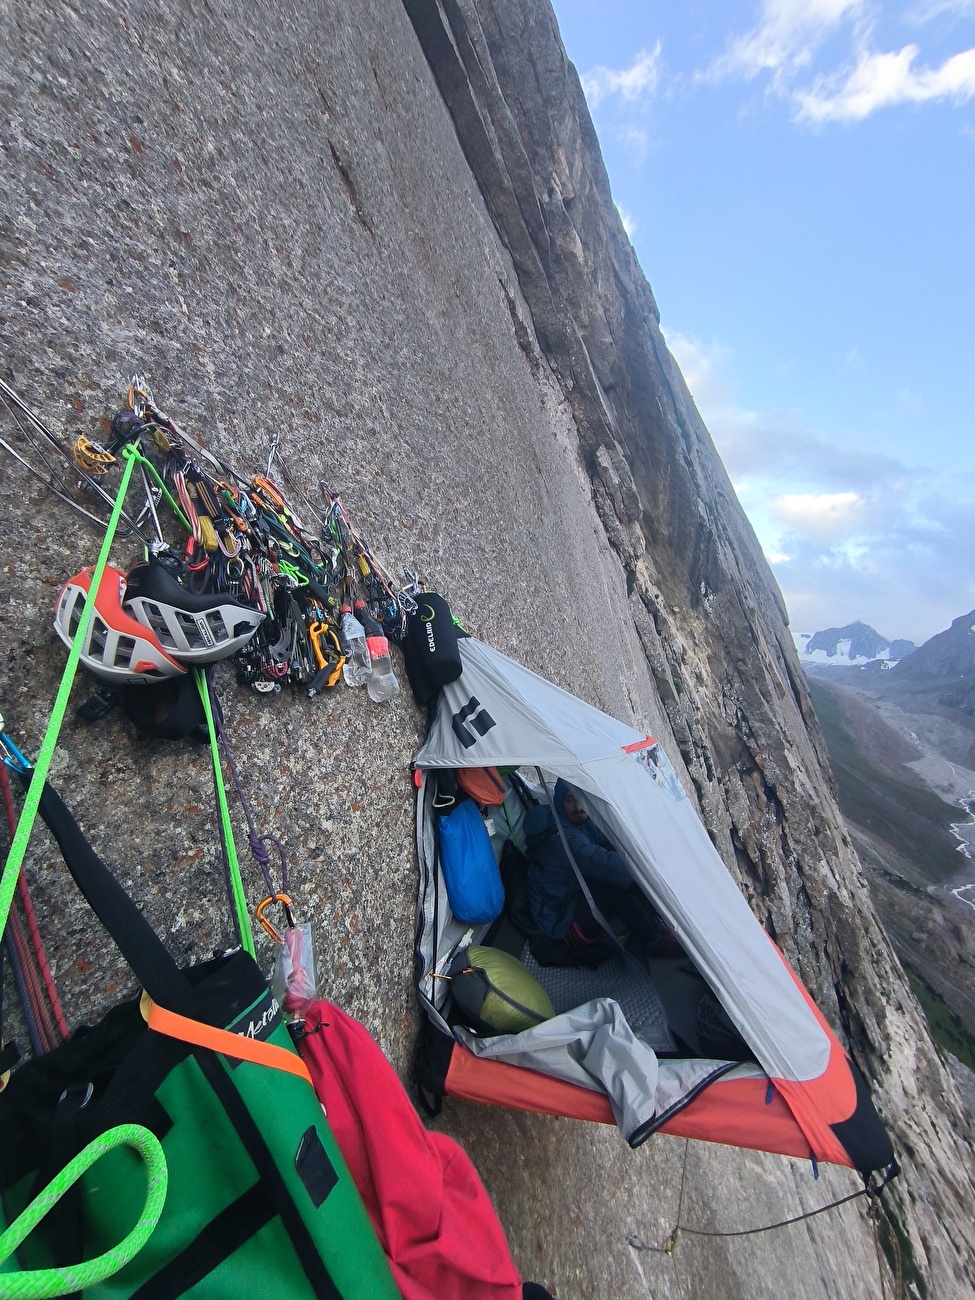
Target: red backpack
(427,1204)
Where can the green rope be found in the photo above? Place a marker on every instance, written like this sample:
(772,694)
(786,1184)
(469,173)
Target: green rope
(132,452)
(15,858)
(233,863)
(37,1283)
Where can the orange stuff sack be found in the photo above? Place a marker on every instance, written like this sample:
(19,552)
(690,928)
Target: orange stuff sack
(484,785)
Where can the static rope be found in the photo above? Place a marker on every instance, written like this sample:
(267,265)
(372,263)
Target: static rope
(875,1212)
(53,1011)
(40,957)
(15,858)
(881,1220)
(40,1028)
(782,1223)
(227,830)
(36,1284)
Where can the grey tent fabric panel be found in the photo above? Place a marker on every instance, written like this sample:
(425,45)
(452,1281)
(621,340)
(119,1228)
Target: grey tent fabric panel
(670,852)
(428,932)
(499,712)
(591,1046)
(679,1079)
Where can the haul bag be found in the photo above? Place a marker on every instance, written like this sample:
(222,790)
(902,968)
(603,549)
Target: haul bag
(260,1200)
(470,872)
(424,1197)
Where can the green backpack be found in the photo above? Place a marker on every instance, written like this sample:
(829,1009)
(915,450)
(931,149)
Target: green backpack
(259,1200)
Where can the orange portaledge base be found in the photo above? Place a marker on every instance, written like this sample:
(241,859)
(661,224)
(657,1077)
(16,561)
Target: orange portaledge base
(731,1111)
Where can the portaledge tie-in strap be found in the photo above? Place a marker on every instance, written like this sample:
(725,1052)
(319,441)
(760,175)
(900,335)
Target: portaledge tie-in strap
(239,1046)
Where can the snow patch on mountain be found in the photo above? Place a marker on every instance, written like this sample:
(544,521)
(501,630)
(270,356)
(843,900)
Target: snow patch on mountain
(855,645)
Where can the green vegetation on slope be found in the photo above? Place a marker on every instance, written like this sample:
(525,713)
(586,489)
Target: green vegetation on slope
(911,818)
(946,1028)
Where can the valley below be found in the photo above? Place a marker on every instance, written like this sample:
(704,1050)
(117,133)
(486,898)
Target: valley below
(907,792)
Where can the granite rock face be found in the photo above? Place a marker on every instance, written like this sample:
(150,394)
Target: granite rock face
(382,237)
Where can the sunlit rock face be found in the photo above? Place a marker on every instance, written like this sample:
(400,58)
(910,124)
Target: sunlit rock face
(382,237)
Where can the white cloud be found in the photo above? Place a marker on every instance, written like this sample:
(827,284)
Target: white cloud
(702,367)
(882,80)
(853,361)
(758,447)
(637,82)
(793,34)
(630,223)
(908,403)
(825,516)
(637,141)
(787,35)
(927,10)
(851,534)
(908,576)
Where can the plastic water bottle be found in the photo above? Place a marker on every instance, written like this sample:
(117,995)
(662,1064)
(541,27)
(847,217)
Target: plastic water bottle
(352,634)
(381,682)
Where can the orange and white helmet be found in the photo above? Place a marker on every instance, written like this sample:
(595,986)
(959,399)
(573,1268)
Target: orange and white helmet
(117,647)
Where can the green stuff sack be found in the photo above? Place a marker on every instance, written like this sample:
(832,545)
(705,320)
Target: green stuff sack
(497,993)
(260,1202)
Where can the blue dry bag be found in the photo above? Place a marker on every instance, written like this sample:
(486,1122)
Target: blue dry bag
(470,872)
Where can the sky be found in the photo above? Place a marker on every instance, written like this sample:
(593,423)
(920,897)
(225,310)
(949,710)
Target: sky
(798,181)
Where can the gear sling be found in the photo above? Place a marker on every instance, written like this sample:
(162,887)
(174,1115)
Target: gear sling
(260,1201)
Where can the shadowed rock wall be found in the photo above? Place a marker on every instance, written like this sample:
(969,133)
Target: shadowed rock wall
(386,239)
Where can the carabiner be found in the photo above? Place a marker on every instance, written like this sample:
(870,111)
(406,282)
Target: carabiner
(13,758)
(262,907)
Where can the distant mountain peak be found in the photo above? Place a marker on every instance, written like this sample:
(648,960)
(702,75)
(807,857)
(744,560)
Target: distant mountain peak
(855,644)
(950,654)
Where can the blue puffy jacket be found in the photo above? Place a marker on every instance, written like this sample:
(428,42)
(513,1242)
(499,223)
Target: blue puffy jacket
(553,890)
